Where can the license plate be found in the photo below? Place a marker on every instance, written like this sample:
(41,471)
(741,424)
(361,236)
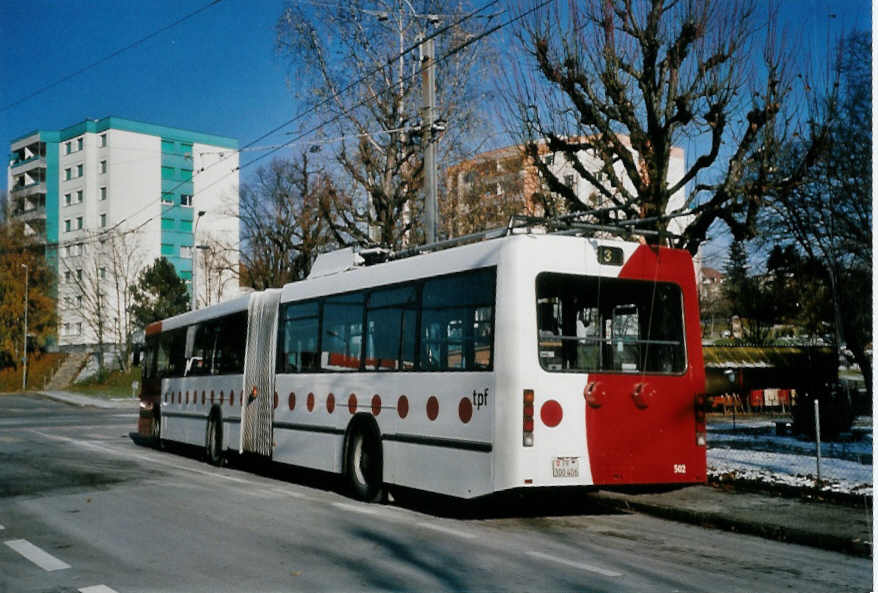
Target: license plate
(565,467)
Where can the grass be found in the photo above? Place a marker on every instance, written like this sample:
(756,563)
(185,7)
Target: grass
(114,385)
(40,366)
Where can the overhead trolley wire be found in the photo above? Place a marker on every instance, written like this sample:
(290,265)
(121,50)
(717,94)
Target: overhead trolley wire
(110,56)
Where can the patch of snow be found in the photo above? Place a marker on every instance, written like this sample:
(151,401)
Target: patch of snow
(786,469)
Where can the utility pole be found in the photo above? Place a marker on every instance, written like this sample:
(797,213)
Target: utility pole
(194,304)
(24,355)
(428,84)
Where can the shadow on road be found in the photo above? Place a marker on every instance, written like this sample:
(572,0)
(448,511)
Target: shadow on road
(522,503)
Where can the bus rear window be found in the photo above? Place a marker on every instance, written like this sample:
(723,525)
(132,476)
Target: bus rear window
(590,324)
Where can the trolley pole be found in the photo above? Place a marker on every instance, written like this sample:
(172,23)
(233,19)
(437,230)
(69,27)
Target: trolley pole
(428,82)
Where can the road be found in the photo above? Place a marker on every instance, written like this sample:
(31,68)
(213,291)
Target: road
(83,508)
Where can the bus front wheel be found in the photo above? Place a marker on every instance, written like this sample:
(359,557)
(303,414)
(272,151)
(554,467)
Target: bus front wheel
(214,440)
(364,464)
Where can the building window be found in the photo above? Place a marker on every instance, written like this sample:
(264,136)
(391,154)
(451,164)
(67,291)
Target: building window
(570,181)
(168,173)
(549,159)
(79,249)
(79,144)
(167,249)
(102,273)
(79,170)
(79,197)
(79,301)
(78,328)
(167,198)
(67,276)
(186,174)
(186,251)
(103,140)
(186,200)
(167,224)
(67,225)
(103,193)
(103,220)
(66,329)
(67,199)
(79,275)
(186,226)
(103,166)
(78,223)
(67,174)
(68,147)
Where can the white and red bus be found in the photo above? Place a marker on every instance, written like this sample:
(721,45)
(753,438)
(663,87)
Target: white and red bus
(530,360)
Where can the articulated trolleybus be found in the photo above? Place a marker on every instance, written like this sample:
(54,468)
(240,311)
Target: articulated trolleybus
(527,360)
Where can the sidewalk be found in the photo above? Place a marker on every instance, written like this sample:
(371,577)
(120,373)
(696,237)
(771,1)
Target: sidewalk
(820,524)
(77,399)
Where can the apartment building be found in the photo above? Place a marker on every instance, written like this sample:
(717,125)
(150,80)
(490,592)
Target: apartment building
(482,192)
(109,196)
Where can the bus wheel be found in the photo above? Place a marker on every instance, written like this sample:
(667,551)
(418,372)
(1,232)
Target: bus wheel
(364,464)
(213,444)
(157,428)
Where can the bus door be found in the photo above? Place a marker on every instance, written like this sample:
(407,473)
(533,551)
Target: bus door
(257,405)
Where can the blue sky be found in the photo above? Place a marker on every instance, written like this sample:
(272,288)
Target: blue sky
(216,72)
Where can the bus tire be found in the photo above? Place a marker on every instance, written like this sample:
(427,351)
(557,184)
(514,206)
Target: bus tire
(363,462)
(213,441)
(157,427)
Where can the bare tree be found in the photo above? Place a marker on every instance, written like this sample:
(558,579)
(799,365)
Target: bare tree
(624,82)
(97,278)
(363,82)
(282,226)
(218,269)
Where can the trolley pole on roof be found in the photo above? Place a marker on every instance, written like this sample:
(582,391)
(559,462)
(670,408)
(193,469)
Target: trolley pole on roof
(428,84)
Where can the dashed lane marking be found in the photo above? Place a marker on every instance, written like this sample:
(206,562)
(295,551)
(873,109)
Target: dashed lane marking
(447,530)
(574,564)
(36,555)
(97,589)
(355,508)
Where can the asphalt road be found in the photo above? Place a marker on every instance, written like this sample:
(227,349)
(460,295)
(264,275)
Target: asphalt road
(83,508)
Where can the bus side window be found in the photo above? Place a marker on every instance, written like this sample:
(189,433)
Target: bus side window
(301,324)
(457,321)
(228,354)
(341,342)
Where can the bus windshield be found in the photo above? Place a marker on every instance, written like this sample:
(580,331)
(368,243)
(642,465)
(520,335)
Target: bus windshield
(591,324)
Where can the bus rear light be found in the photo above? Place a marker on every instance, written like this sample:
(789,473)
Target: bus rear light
(527,439)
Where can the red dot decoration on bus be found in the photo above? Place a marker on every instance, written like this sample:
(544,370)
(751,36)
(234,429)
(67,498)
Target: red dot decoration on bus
(376,404)
(222,397)
(352,403)
(330,403)
(187,396)
(232,397)
(275,400)
(465,409)
(203,397)
(402,406)
(310,402)
(211,396)
(551,413)
(291,401)
(432,407)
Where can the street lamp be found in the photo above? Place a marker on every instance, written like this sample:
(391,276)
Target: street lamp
(198,216)
(24,349)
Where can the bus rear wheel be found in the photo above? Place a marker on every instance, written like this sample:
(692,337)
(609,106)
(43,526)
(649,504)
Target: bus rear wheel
(364,464)
(214,440)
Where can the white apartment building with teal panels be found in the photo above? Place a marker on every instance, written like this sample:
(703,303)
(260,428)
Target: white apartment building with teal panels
(109,196)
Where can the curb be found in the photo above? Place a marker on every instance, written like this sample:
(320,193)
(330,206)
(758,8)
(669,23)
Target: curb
(711,520)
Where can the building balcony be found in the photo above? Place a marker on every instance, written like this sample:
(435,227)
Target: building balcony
(34,187)
(35,162)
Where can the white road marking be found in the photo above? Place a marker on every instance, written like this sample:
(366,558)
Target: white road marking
(355,508)
(97,589)
(39,557)
(573,564)
(447,530)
